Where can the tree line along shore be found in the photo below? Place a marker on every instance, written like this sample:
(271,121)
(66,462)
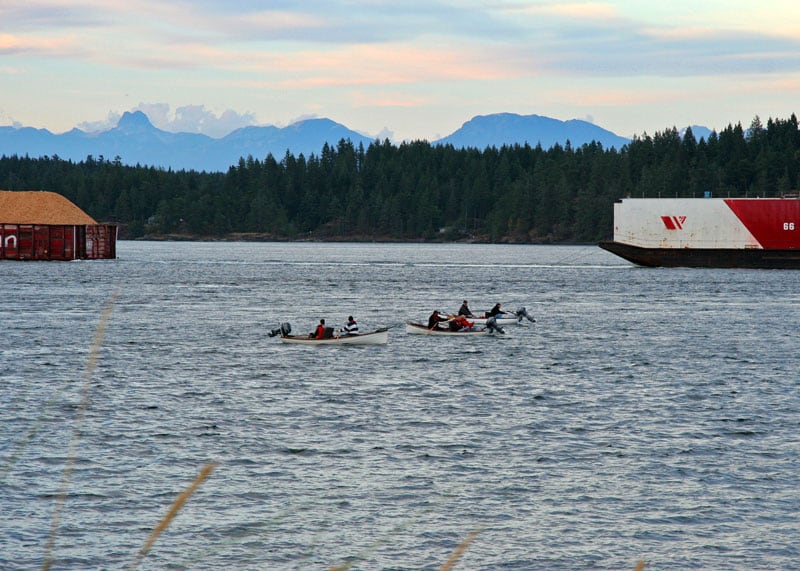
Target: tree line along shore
(416,191)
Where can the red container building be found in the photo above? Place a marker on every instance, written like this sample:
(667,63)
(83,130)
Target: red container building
(39,225)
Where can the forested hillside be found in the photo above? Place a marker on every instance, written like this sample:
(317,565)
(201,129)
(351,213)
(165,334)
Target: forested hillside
(416,191)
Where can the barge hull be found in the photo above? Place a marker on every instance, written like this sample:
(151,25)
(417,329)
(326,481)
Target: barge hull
(705,257)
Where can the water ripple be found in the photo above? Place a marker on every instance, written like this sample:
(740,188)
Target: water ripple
(646,414)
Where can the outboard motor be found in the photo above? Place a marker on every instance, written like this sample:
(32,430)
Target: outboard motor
(492,326)
(284,330)
(522,312)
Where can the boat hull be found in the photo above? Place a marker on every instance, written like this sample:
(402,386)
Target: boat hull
(705,258)
(378,337)
(511,320)
(419,329)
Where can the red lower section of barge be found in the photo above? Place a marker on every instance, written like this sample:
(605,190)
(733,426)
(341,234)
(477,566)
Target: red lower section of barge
(58,242)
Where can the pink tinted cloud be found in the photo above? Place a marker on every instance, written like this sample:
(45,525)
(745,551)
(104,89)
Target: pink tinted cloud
(34,45)
(381,65)
(786,84)
(273,21)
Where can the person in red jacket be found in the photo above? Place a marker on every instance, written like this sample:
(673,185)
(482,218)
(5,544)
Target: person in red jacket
(461,323)
(319,332)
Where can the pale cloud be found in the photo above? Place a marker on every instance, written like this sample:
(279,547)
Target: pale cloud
(25,16)
(560,38)
(156,22)
(184,119)
(100,125)
(304,117)
(621,98)
(610,97)
(384,134)
(198,119)
(384,99)
(273,21)
(591,10)
(332,58)
(375,65)
(771,17)
(588,10)
(778,84)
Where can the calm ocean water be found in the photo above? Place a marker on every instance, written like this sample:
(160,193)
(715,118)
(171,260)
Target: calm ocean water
(648,414)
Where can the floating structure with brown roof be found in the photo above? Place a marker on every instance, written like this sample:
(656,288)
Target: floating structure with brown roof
(40,225)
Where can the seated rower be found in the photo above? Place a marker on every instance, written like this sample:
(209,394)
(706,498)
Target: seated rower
(435,319)
(319,332)
(495,311)
(464,310)
(351,327)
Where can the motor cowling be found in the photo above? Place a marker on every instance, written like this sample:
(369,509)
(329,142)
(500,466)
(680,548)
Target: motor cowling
(522,312)
(283,330)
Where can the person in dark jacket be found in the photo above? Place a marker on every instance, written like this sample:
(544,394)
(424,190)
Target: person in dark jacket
(495,311)
(435,319)
(464,310)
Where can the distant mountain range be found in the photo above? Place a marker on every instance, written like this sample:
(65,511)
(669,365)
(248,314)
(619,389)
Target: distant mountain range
(136,141)
(508,128)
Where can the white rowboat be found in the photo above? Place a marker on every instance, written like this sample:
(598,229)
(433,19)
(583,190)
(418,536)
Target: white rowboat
(510,320)
(419,329)
(507,318)
(377,337)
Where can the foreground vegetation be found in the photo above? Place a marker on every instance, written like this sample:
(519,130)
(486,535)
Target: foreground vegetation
(416,191)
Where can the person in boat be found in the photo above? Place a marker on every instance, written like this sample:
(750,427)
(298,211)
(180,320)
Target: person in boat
(464,310)
(435,319)
(351,327)
(319,332)
(461,323)
(495,311)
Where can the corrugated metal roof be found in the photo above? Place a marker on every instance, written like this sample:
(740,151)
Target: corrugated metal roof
(40,207)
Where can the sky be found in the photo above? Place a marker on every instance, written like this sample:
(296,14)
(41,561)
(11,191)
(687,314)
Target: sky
(410,70)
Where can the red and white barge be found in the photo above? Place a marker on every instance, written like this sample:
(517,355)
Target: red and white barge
(708,232)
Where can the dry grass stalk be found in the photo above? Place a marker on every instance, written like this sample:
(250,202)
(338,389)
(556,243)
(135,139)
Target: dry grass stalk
(205,472)
(76,430)
(459,551)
